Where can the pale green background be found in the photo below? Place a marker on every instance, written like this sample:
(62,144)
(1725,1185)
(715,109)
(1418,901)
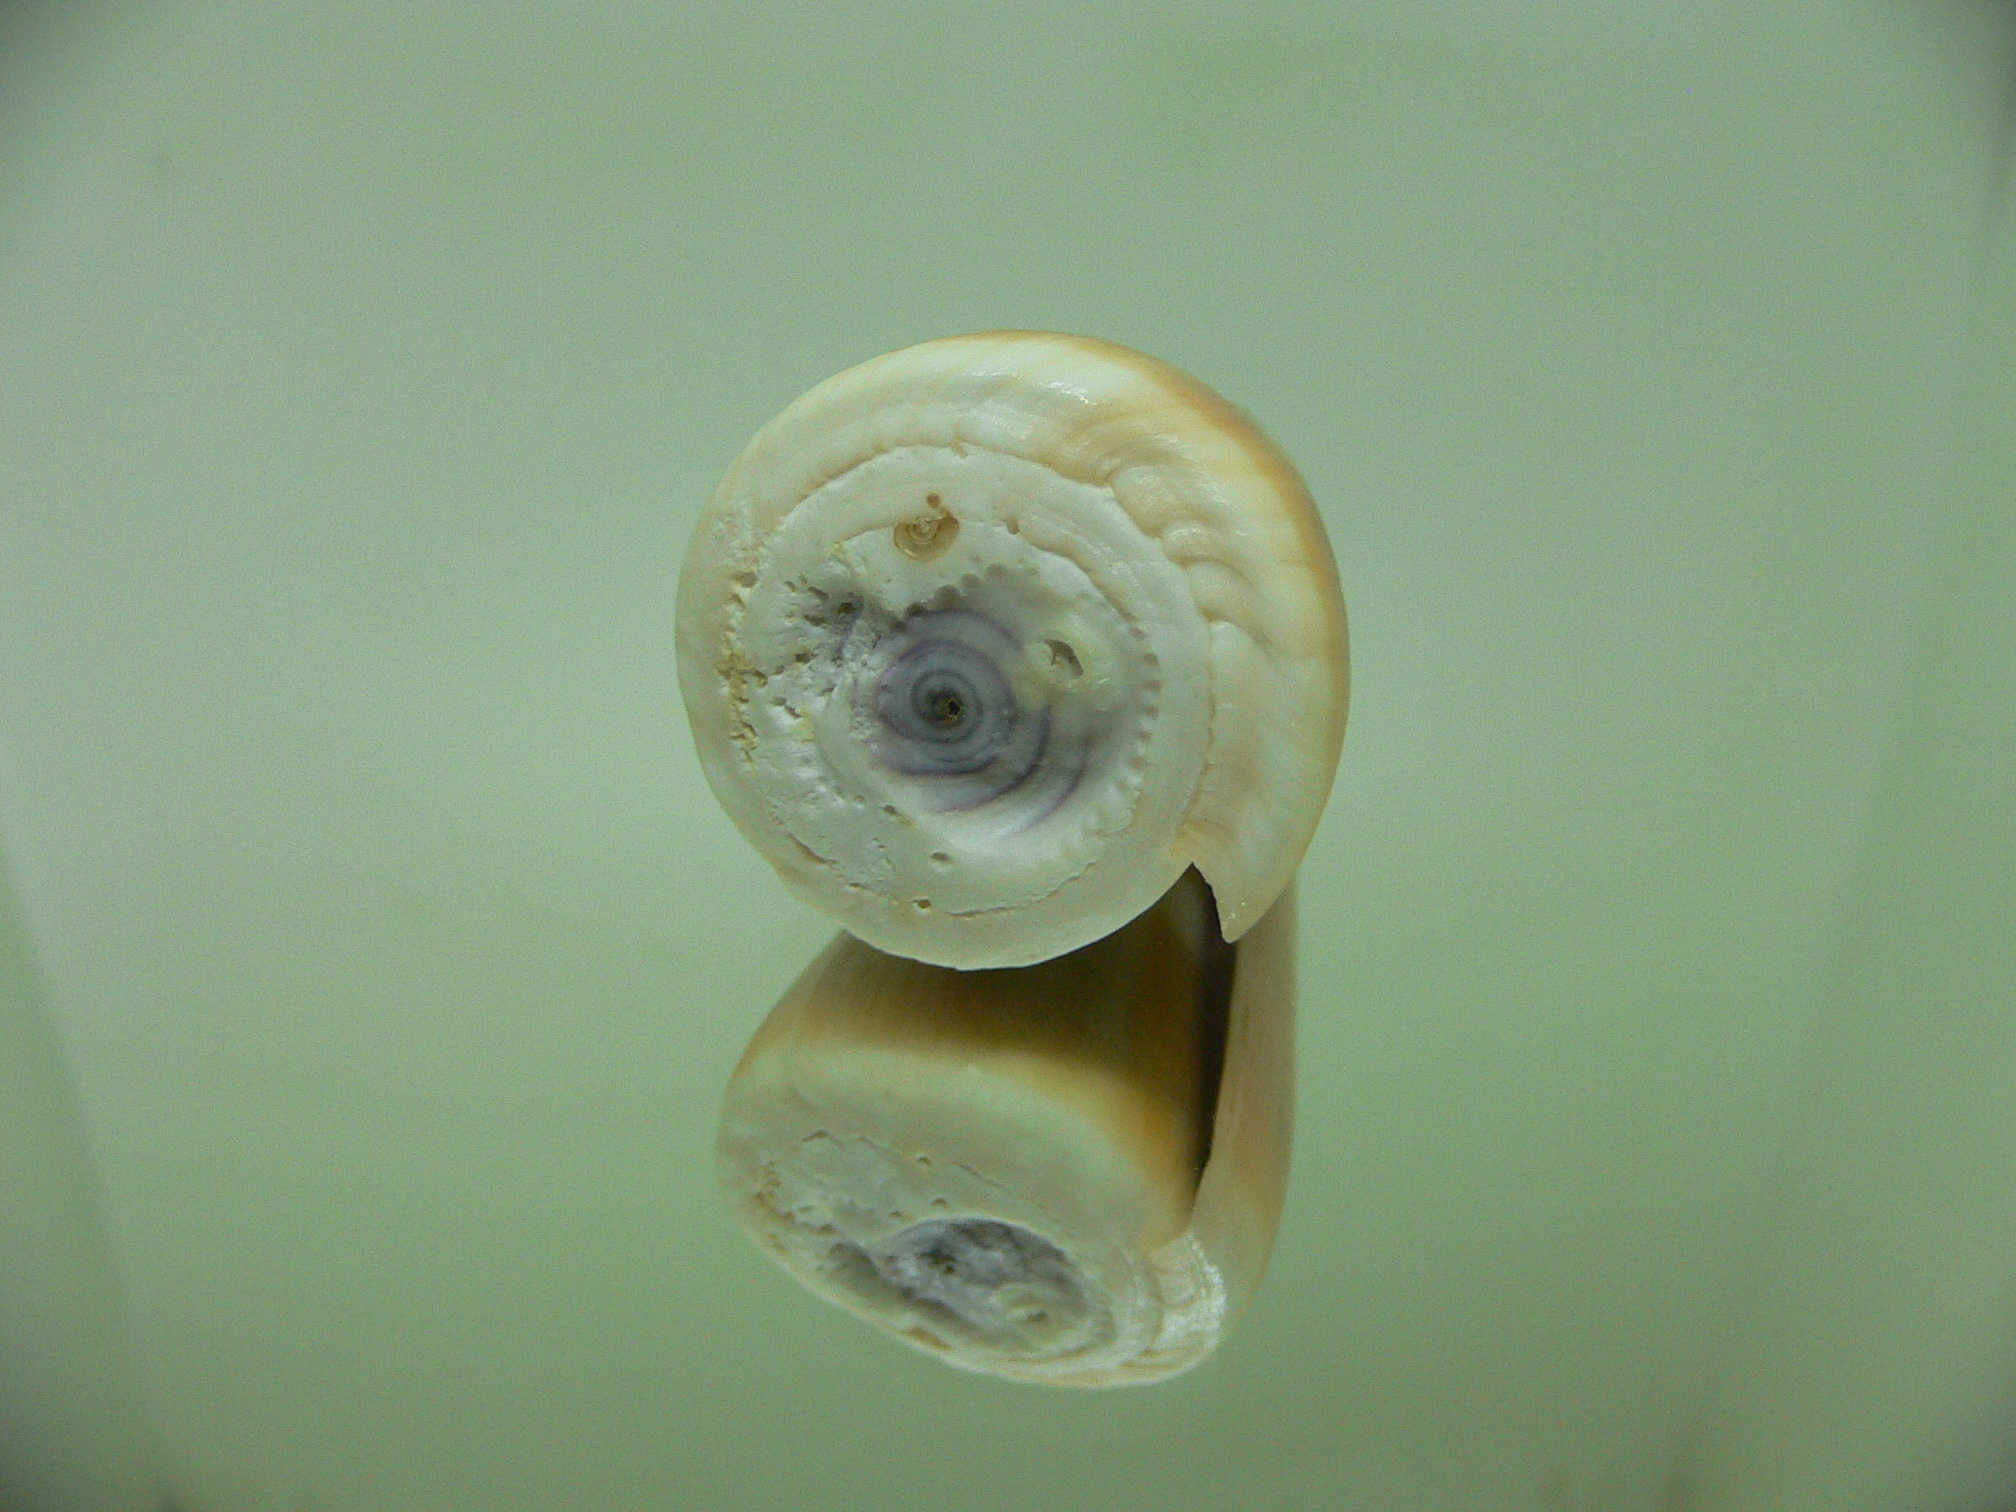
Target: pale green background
(377,954)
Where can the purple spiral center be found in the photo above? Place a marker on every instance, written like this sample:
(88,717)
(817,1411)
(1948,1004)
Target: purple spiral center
(946,708)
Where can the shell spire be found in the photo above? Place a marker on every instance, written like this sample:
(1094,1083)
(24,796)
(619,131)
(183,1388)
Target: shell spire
(985,641)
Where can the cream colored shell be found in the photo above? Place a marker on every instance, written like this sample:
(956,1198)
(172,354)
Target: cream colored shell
(1018,1171)
(984,641)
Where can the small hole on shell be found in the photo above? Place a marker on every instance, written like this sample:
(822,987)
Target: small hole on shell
(929,535)
(1064,660)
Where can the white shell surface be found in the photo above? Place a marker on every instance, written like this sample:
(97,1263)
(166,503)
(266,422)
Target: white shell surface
(985,640)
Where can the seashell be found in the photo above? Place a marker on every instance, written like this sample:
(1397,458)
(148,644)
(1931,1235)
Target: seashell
(986,641)
(1068,1173)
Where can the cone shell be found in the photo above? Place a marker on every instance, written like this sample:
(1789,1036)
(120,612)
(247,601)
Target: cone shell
(985,641)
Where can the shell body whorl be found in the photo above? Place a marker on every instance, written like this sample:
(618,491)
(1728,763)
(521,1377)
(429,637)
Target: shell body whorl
(984,641)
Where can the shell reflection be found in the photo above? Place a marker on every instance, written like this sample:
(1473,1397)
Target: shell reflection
(1068,1173)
